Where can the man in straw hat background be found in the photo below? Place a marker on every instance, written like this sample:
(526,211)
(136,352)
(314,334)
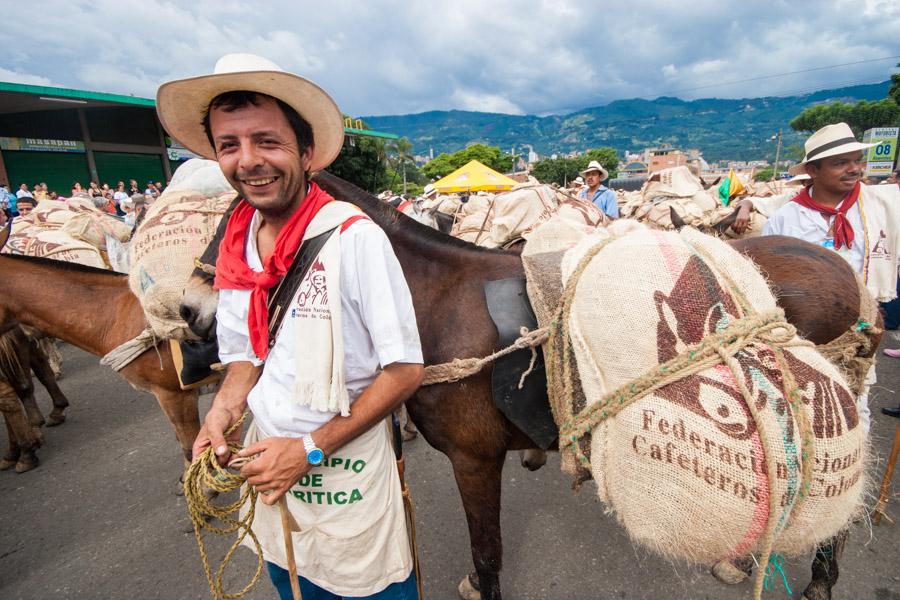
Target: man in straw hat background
(839,212)
(603,197)
(320,391)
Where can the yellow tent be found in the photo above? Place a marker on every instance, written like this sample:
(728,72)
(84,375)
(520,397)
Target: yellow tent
(473,177)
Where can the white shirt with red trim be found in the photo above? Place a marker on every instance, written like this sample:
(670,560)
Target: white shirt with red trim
(378,323)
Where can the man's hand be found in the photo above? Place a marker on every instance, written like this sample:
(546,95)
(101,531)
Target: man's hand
(742,221)
(280,464)
(218,420)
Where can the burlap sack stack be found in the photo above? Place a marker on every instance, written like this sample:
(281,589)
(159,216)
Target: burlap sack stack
(676,188)
(711,429)
(177,229)
(61,231)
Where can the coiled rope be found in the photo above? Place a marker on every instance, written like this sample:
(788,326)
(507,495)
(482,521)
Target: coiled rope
(205,473)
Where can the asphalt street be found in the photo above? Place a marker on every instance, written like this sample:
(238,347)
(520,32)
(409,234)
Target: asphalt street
(100,518)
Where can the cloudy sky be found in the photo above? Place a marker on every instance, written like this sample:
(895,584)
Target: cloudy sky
(397,57)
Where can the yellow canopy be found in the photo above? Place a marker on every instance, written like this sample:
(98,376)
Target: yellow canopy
(473,177)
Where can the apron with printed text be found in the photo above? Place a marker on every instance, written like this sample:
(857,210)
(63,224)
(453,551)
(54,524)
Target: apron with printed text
(352,539)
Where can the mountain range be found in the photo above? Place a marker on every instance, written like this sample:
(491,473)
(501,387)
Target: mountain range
(735,129)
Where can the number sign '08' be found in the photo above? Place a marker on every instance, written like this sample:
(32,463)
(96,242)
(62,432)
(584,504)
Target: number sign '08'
(880,158)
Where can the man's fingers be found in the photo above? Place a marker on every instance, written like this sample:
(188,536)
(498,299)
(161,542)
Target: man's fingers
(257,448)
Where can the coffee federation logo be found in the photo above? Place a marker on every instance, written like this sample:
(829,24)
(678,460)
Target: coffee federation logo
(312,299)
(697,307)
(879,250)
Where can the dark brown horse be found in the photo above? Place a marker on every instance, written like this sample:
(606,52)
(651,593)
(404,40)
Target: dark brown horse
(459,419)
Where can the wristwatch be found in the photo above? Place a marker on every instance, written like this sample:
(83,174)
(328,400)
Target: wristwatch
(314,455)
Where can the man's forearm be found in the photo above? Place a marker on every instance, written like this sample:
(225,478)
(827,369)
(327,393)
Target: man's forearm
(392,386)
(239,380)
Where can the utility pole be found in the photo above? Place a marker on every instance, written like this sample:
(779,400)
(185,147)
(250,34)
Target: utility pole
(513,152)
(777,156)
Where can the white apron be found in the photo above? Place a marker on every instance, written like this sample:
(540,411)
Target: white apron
(353,539)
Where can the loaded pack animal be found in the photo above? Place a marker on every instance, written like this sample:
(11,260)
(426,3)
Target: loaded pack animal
(460,419)
(95,310)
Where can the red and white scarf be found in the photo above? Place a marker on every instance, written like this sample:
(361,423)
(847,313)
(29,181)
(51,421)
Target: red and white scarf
(843,230)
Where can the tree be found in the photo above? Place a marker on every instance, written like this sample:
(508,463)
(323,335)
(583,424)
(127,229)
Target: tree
(490,156)
(562,170)
(860,116)
(400,157)
(362,163)
(764,174)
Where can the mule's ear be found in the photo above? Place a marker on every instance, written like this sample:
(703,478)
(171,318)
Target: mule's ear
(677,221)
(727,222)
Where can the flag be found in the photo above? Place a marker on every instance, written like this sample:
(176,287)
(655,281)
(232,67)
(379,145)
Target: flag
(730,187)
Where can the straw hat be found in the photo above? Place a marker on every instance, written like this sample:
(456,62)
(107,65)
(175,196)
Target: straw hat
(831,140)
(429,190)
(182,104)
(578,181)
(799,178)
(596,166)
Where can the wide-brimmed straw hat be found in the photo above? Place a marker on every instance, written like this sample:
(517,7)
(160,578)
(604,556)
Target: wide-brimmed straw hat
(578,181)
(183,104)
(429,190)
(831,140)
(596,166)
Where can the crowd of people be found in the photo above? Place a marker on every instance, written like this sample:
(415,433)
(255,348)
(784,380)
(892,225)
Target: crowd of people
(126,202)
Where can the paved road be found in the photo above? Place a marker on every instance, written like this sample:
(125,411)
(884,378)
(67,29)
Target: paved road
(100,519)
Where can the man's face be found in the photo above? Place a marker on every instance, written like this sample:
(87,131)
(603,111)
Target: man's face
(25,209)
(837,173)
(592,178)
(24,187)
(258,153)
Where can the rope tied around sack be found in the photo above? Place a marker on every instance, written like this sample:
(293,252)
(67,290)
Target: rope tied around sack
(768,327)
(205,473)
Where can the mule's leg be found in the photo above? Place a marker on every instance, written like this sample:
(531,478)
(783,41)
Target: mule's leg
(23,440)
(44,372)
(825,568)
(479,479)
(24,387)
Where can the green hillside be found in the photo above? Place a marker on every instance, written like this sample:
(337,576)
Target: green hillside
(721,128)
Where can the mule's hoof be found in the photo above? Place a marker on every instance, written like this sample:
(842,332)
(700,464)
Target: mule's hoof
(27,462)
(56,418)
(728,573)
(7,463)
(467,591)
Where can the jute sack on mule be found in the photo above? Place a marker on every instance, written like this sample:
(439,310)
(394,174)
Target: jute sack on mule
(710,428)
(57,245)
(176,229)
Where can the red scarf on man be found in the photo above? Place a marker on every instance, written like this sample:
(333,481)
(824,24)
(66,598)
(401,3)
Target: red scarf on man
(233,272)
(843,230)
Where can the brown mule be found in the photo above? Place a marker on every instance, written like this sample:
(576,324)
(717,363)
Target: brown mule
(459,419)
(94,310)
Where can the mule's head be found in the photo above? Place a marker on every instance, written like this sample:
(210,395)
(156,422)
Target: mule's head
(198,307)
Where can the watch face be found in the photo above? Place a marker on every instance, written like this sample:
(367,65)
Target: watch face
(315,456)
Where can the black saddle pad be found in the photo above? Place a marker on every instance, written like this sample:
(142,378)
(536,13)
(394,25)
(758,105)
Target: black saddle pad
(528,408)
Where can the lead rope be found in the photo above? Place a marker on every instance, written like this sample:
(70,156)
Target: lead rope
(204,473)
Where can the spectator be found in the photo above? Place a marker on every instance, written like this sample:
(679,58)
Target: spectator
(39,192)
(111,204)
(23,191)
(603,197)
(133,187)
(26,204)
(53,196)
(160,187)
(151,190)
(10,199)
(94,190)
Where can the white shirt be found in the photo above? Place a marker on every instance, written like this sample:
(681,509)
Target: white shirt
(119,196)
(23,193)
(797,221)
(378,322)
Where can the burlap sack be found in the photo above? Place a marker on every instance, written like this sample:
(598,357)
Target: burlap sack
(177,229)
(677,182)
(520,210)
(57,245)
(690,468)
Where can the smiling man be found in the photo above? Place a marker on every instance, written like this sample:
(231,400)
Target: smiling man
(346,355)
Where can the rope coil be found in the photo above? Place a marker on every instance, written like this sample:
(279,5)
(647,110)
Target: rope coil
(205,473)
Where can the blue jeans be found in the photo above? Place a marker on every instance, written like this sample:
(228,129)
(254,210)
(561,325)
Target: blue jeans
(281,579)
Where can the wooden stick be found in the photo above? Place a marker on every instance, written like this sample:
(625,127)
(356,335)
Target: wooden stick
(289,547)
(888,475)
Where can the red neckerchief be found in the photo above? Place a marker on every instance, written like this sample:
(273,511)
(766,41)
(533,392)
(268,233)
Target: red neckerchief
(233,272)
(843,231)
